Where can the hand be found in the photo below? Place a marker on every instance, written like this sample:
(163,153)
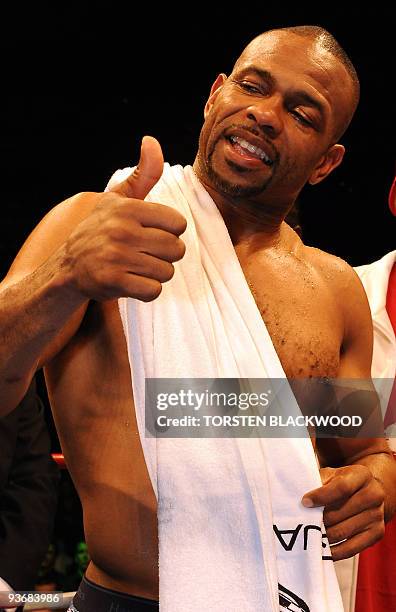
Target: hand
(126,246)
(353,513)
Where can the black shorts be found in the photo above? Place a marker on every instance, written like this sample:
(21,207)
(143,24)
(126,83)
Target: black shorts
(91,597)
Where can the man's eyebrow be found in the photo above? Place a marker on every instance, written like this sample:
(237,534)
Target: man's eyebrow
(264,75)
(299,95)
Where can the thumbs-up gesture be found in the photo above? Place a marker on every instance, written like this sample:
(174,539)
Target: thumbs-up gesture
(126,247)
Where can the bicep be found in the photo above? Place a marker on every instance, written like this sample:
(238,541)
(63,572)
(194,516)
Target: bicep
(355,372)
(357,345)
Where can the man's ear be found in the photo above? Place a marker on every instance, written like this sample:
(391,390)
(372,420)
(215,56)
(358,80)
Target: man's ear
(219,82)
(330,160)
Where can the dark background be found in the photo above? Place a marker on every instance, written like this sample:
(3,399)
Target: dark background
(81,87)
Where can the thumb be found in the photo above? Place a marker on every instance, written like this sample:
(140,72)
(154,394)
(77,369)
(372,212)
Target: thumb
(326,474)
(146,174)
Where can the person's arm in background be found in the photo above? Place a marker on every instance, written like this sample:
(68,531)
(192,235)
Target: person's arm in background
(28,492)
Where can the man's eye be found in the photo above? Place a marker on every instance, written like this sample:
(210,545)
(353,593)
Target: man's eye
(250,87)
(301,118)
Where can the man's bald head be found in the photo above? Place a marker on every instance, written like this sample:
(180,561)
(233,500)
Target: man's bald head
(323,40)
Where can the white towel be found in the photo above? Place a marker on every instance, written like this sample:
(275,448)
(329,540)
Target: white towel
(231,522)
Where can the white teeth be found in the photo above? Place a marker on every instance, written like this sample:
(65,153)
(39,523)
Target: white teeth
(256,150)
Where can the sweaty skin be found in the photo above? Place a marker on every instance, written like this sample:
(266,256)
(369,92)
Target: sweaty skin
(282,98)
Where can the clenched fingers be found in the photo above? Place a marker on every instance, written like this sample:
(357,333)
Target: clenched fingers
(146,265)
(160,216)
(368,497)
(340,487)
(147,214)
(355,544)
(355,524)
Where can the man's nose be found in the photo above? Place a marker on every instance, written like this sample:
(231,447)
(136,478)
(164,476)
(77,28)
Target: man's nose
(267,114)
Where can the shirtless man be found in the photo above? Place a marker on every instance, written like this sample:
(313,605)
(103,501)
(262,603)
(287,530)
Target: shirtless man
(270,127)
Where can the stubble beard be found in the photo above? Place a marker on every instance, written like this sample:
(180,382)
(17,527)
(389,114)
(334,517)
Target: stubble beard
(230,189)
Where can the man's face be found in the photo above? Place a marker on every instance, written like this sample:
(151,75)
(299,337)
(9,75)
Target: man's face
(269,125)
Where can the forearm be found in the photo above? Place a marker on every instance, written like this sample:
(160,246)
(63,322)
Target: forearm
(33,313)
(383,468)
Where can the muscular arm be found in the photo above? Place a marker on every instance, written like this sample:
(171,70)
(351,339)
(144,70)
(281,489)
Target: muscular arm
(359,475)
(97,246)
(39,307)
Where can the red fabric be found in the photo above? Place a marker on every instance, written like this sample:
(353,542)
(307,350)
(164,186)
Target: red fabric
(392,198)
(391,297)
(390,416)
(376,582)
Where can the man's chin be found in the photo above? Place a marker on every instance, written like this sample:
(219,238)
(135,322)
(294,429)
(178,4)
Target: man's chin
(242,188)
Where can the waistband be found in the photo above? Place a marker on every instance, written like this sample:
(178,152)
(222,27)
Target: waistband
(92,597)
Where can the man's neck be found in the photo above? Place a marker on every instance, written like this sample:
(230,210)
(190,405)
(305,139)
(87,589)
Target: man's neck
(247,220)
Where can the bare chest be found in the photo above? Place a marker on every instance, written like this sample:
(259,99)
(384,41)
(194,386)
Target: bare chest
(303,320)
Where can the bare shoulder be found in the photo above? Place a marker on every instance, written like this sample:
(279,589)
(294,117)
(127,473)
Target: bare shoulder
(338,274)
(333,267)
(334,272)
(52,231)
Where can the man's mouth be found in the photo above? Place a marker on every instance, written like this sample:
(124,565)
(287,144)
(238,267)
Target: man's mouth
(253,150)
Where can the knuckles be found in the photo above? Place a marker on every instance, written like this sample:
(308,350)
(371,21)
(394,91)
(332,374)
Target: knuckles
(374,494)
(342,486)
(352,478)
(362,470)
(375,534)
(114,235)
(378,495)
(377,514)
(356,472)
